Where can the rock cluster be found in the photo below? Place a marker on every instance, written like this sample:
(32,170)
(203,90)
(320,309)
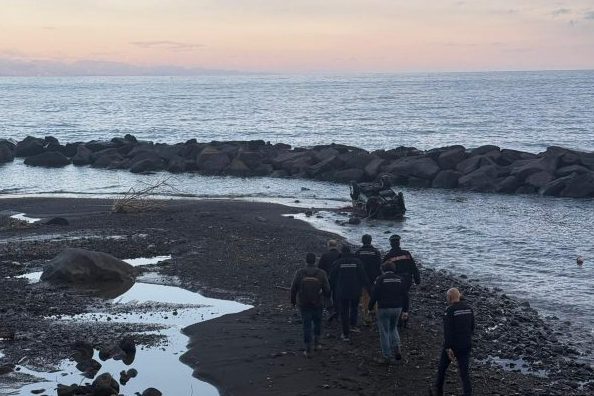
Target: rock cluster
(555,172)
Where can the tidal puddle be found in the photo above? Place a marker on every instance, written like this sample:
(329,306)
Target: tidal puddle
(515,365)
(170,307)
(24,217)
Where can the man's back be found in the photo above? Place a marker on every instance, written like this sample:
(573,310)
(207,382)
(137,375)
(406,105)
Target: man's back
(372,261)
(327,260)
(405,265)
(390,291)
(308,287)
(348,277)
(458,324)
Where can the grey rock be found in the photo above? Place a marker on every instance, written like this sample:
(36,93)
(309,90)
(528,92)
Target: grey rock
(82,266)
(48,159)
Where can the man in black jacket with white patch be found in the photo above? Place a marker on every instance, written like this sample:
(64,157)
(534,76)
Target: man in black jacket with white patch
(389,290)
(372,261)
(349,279)
(458,327)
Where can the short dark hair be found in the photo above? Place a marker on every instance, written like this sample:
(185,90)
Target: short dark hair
(366,239)
(346,249)
(310,258)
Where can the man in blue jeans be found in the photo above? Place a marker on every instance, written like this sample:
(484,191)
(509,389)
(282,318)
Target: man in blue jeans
(390,291)
(458,327)
(308,289)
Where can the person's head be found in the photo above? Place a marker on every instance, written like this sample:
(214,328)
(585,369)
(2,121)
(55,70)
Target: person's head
(366,239)
(389,266)
(580,260)
(345,250)
(332,244)
(395,241)
(453,295)
(310,259)
(386,181)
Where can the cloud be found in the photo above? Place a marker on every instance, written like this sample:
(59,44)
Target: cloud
(560,11)
(589,15)
(168,45)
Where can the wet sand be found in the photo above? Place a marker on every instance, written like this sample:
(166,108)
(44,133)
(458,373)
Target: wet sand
(249,252)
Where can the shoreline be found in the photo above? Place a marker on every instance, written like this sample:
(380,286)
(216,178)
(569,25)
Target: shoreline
(236,250)
(557,172)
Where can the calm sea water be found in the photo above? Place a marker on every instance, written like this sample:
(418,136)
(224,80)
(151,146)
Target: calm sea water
(525,245)
(521,110)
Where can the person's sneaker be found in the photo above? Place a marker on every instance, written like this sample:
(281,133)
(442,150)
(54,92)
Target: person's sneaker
(355,329)
(345,338)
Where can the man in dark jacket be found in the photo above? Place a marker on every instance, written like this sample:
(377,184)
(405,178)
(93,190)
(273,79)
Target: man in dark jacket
(327,264)
(405,266)
(309,286)
(372,261)
(327,260)
(391,295)
(348,278)
(458,326)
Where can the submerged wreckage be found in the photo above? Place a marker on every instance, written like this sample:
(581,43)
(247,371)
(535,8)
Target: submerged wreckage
(377,200)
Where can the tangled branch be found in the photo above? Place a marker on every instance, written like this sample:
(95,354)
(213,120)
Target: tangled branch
(142,198)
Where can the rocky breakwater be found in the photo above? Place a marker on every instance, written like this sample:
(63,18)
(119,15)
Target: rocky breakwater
(554,172)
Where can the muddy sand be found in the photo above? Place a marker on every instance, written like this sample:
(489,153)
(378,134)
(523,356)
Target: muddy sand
(249,252)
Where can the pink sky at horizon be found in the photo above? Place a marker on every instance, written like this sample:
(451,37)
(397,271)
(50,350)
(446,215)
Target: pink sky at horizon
(304,36)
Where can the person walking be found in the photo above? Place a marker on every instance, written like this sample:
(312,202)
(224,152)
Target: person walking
(348,278)
(406,266)
(372,261)
(309,286)
(326,263)
(458,327)
(391,295)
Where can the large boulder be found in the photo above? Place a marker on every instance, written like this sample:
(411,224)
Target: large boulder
(329,164)
(524,168)
(486,149)
(539,179)
(508,185)
(106,385)
(148,161)
(421,167)
(508,156)
(373,167)
(348,175)
(29,146)
(49,159)
(109,158)
(579,186)
(83,156)
(446,179)
(451,157)
(6,152)
(81,266)
(212,160)
(238,168)
(483,179)
(569,169)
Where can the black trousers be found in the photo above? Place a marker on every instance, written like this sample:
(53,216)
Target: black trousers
(349,310)
(463,358)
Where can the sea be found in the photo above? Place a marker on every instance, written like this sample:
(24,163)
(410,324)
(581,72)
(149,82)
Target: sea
(525,245)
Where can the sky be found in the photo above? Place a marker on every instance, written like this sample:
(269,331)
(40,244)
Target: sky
(294,36)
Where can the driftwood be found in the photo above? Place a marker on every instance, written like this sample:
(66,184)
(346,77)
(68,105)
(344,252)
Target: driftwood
(142,198)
